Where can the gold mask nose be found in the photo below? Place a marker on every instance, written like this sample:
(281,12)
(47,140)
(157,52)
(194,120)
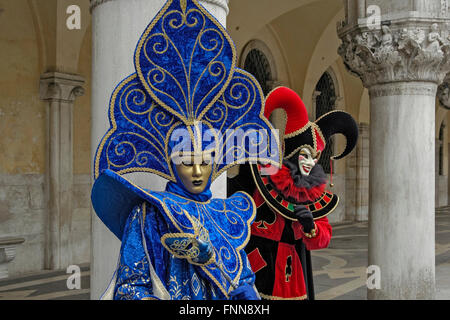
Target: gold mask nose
(194,172)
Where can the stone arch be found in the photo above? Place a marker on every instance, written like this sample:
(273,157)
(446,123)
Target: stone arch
(40,36)
(263,11)
(441,163)
(441,114)
(322,59)
(258,47)
(21,109)
(326,93)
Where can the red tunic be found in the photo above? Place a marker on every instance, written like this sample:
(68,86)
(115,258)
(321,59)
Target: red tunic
(275,252)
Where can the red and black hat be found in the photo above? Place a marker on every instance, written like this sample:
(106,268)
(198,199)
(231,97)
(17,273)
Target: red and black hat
(300,132)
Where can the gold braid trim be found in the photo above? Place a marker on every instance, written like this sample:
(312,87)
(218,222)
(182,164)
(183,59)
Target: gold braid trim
(268,297)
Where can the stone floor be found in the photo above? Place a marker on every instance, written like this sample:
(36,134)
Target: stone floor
(340,270)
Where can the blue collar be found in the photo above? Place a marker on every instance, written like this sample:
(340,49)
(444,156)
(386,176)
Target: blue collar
(179,189)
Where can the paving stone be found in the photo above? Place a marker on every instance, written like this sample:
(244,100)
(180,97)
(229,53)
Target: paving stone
(339,271)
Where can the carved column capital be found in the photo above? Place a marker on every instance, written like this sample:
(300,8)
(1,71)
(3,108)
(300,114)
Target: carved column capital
(61,87)
(396,54)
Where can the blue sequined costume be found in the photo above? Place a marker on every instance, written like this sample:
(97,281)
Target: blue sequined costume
(185,79)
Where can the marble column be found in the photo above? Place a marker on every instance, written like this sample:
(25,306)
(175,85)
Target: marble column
(59,90)
(362,175)
(401,65)
(361,9)
(357,178)
(116,28)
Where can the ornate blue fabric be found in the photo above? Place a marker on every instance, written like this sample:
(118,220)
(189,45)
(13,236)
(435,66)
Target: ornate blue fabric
(226,221)
(186,78)
(179,279)
(185,74)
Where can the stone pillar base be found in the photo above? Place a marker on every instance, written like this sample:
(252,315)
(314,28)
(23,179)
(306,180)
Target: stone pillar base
(7,253)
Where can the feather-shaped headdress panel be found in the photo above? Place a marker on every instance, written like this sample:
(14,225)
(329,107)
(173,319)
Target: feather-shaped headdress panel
(186,74)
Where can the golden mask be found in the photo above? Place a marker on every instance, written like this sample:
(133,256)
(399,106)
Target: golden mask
(194,170)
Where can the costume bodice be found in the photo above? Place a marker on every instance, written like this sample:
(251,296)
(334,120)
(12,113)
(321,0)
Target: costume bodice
(226,221)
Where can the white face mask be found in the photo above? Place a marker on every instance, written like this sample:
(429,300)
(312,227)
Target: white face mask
(306,161)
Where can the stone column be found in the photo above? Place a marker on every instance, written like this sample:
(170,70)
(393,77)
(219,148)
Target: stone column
(357,178)
(59,90)
(117,26)
(361,9)
(362,175)
(401,65)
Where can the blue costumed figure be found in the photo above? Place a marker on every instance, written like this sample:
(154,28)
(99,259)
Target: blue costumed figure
(187,114)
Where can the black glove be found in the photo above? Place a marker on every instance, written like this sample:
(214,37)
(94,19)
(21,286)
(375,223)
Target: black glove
(305,217)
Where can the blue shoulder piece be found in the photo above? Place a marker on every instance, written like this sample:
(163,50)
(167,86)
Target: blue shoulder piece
(227,221)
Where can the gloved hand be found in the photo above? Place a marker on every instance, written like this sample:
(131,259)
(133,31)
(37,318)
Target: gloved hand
(244,292)
(206,251)
(196,249)
(305,217)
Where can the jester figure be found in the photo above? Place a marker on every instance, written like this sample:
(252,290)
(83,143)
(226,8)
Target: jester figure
(187,114)
(293,202)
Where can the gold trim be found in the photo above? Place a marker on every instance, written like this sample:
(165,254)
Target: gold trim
(238,249)
(265,199)
(193,237)
(269,297)
(278,164)
(292,219)
(319,199)
(311,126)
(299,131)
(331,210)
(313,233)
(143,40)
(314,146)
(319,131)
(322,116)
(113,129)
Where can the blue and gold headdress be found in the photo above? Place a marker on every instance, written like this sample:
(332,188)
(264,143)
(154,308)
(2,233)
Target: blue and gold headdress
(186,74)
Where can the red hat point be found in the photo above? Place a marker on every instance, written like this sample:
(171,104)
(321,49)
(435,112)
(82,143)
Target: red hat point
(288,100)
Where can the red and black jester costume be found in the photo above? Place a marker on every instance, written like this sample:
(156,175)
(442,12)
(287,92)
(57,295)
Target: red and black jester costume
(279,247)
